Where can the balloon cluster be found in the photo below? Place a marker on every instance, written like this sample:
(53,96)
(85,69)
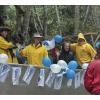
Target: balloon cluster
(61,67)
(51,44)
(70,72)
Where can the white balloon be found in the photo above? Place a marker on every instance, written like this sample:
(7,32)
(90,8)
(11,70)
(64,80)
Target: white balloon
(62,63)
(3,58)
(85,65)
(55,68)
(51,44)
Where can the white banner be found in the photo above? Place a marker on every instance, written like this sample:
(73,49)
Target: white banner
(28,75)
(53,80)
(4,69)
(77,80)
(41,79)
(58,82)
(16,73)
(69,83)
(50,79)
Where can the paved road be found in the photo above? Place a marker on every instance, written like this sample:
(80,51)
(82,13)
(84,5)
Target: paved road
(8,89)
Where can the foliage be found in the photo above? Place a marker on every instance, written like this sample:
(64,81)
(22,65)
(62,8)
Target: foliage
(66,15)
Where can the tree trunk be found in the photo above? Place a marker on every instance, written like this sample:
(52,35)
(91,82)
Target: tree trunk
(19,21)
(23,14)
(45,20)
(26,21)
(2,15)
(77,18)
(86,16)
(38,21)
(58,18)
(36,26)
(96,12)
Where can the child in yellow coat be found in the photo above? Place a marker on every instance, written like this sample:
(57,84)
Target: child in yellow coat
(83,50)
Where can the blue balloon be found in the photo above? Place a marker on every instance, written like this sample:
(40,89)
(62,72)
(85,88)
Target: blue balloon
(58,38)
(72,65)
(70,74)
(46,61)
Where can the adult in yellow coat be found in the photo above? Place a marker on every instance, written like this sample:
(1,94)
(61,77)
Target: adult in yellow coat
(4,44)
(35,51)
(83,50)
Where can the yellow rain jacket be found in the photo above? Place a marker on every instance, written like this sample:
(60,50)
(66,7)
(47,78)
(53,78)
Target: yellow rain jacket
(34,54)
(84,53)
(4,46)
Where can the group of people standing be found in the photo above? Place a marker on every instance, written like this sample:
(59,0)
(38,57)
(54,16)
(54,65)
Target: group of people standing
(81,51)
(17,53)
(33,53)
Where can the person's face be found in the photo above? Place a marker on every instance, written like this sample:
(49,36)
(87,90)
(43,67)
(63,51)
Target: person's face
(37,40)
(66,46)
(81,41)
(4,34)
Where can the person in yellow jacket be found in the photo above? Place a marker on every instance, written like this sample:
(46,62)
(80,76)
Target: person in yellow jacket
(83,50)
(17,40)
(35,52)
(4,44)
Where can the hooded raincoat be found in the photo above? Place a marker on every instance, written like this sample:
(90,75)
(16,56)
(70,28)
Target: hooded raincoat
(4,48)
(85,52)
